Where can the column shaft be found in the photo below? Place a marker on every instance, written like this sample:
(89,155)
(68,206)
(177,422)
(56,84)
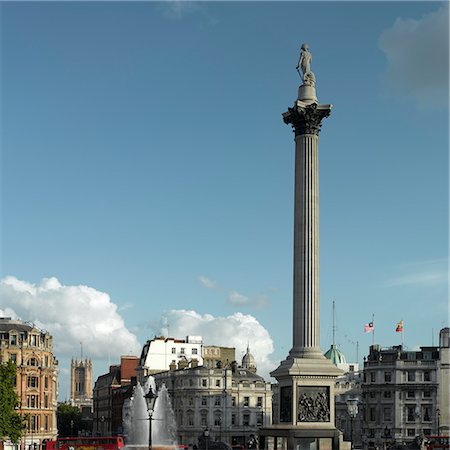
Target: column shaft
(306,331)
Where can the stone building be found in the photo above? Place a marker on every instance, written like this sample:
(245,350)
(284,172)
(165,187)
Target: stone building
(400,395)
(215,356)
(231,402)
(443,411)
(110,391)
(81,382)
(31,349)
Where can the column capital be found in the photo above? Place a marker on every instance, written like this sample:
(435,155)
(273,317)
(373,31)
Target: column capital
(306,118)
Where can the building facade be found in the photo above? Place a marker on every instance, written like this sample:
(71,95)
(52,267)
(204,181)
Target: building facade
(232,402)
(400,395)
(110,392)
(159,352)
(31,349)
(215,356)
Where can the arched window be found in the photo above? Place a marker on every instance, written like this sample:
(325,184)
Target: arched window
(32,362)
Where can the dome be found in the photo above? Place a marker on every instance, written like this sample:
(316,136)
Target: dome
(335,356)
(248,361)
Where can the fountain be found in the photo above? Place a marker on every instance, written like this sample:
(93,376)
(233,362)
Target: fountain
(135,422)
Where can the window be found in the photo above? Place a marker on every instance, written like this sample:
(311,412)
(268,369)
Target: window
(387,414)
(190,419)
(411,376)
(387,394)
(372,414)
(46,382)
(204,401)
(233,401)
(426,413)
(259,402)
(218,383)
(351,368)
(247,401)
(191,401)
(203,419)
(427,394)
(427,431)
(259,419)
(410,394)
(174,350)
(387,377)
(32,401)
(246,420)
(191,382)
(426,376)
(46,423)
(372,394)
(410,414)
(204,382)
(194,351)
(33,340)
(13,339)
(182,350)
(13,358)
(217,401)
(372,377)
(46,401)
(32,362)
(217,420)
(233,419)
(32,382)
(411,432)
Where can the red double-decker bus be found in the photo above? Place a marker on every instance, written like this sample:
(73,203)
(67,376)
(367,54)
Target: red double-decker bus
(86,443)
(437,442)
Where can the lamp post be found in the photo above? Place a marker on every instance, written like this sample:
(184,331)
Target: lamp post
(352,409)
(150,398)
(438,413)
(206,435)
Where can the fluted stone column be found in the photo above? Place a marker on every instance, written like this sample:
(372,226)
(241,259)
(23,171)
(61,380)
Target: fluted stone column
(306,120)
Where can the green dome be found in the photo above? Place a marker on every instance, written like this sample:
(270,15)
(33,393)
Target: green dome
(335,356)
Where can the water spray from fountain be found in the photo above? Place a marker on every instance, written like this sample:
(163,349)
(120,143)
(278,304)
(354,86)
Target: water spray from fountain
(136,417)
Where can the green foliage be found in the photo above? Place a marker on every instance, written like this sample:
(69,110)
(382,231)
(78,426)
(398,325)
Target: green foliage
(11,424)
(68,418)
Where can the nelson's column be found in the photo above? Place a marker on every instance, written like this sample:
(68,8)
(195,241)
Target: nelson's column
(305,418)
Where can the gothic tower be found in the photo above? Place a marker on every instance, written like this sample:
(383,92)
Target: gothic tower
(81,382)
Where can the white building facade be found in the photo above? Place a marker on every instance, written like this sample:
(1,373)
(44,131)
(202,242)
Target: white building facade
(160,352)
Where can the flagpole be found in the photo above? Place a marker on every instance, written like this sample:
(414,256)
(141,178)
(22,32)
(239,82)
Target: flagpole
(373,331)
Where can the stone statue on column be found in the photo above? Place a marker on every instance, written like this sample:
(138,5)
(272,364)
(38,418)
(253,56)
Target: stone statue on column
(304,63)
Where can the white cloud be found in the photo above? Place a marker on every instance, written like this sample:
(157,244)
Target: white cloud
(234,297)
(207,282)
(237,299)
(431,273)
(72,314)
(417,53)
(235,330)
(177,9)
(420,278)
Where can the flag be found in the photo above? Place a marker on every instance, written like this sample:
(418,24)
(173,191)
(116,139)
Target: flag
(368,327)
(399,327)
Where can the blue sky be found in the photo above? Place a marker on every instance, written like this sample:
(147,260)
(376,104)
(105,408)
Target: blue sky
(144,156)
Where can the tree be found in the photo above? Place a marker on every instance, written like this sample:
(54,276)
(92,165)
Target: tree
(68,418)
(11,424)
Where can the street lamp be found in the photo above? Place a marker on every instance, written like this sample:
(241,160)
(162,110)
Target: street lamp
(206,435)
(352,409)
(150,399)
(438,413)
